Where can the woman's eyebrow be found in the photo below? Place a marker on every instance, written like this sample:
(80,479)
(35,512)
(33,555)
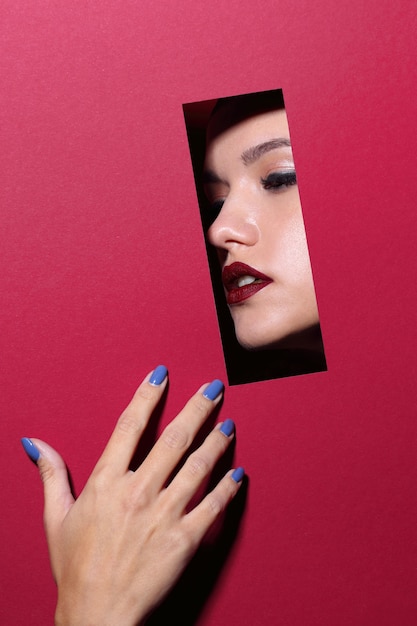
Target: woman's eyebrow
(255,152)
(249,156)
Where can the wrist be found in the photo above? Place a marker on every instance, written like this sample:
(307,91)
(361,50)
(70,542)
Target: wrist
(75,616)
(76,613)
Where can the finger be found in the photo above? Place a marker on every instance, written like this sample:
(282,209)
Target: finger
(124,440)
(54,475)
(177,437)
(203,516)
(198,467)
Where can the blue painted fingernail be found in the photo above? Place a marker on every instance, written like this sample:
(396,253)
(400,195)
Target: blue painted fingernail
(238,474)
(227,428)
(30,449)
(158,375)
(213,390)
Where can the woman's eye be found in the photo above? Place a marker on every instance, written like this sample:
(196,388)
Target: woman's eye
(279,180)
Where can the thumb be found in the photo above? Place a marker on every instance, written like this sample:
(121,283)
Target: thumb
(54,475)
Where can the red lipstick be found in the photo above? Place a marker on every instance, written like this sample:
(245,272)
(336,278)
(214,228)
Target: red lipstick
(242,281)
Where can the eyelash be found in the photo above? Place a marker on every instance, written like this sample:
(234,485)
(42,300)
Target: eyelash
(276,181)
(279,180)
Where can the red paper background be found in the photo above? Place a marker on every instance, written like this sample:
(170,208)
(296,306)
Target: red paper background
(104,275)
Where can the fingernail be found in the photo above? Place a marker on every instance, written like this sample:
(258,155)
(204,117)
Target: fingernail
(30,449)
(158,375)
(238,474)
(228,427)
(213,390)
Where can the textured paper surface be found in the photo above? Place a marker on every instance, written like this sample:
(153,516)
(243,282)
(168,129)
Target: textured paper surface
(104,275)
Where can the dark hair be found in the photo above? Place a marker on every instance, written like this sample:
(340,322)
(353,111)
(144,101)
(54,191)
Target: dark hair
(231,110)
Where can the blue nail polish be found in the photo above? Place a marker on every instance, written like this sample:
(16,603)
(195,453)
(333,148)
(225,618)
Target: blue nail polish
(158,375)
(213,390)
(30,449)
(227,428)
(238,474)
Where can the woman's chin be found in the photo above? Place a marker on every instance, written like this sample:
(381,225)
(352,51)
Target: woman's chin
(254,343)
(307,339)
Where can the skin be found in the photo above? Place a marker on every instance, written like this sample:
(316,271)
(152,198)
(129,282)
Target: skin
(118,549)
(263,228)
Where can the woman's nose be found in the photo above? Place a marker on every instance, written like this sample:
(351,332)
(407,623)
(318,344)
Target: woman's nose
(235,225)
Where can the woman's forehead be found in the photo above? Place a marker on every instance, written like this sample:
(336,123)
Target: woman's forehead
(257,128)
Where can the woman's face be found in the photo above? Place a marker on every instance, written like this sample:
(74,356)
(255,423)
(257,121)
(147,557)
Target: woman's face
(259,234)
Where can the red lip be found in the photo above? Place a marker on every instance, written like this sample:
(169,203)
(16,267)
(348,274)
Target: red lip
(231,274)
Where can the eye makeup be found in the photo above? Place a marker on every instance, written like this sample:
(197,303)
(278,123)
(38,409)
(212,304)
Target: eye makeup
(277,181)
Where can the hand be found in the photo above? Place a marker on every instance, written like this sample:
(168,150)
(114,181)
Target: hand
(118,549)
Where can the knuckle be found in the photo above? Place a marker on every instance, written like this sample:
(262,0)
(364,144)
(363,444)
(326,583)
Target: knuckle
(136,500)
(147,392)
(175,438)
(180,540)
(46,472)
(215,504)
(197,465)
(129,423)
(200,405)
